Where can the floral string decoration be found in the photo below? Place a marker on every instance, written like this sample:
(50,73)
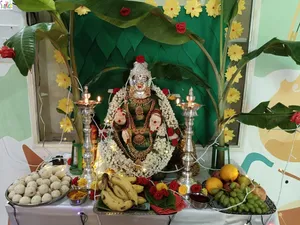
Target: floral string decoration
(171,8)
(241,7)
(296,118)
(63,80)
(58,57)
(193,7)
(6,52)
(228,134)
(230,71)
(66,125)
(233,95)
(228,113)
(181,27)
(151,2)
(66,105)
(236,30)
(213,8)
(82,10)
(235,52)
(125,11)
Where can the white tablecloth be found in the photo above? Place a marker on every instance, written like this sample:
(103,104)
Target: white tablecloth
(62,213)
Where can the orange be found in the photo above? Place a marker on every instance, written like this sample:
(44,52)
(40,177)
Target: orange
(213,183)
(229,172)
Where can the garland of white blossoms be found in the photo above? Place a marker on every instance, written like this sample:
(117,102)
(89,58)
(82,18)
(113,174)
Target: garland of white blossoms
(162,151)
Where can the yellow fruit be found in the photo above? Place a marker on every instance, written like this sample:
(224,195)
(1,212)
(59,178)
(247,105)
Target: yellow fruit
(229,172)
(138,188)
(213,183)
(141,200)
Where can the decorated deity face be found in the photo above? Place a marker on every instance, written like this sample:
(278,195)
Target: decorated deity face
(140,82)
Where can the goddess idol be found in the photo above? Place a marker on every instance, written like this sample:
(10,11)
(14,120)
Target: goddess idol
(142,129)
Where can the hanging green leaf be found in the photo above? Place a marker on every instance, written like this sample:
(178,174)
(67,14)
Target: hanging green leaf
(274,47)
(35,5)
(177,72)
(24,43)
(229,10)
(103,72)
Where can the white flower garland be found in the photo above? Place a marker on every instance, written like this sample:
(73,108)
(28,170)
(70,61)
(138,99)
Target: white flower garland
(162,150)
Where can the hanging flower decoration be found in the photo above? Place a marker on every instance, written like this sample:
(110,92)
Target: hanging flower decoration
(151,2)
(181,27)
(193,7)
(140,59)
(66,105)
(182,189)
(230,71)
(213,8)
(63,80)
(125,11)
(82,10)
(6,52)
(296,118)
(66,125)
(171,8)
(228,113)
(233,95)
(58,57)
(228,134)
(241,7)
(236,30)
(235,52)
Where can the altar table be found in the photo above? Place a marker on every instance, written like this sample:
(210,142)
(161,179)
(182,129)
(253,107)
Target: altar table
(62,213)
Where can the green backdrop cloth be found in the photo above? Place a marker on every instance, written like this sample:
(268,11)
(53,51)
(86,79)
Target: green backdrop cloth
(99,45)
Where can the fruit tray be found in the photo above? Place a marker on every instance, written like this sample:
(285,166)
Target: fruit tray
(144,209)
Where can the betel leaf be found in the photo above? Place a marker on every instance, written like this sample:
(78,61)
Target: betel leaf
(274,47)
(24,43)
(229,10)
(170,71)
(165,203)
(266,117)
(35,5)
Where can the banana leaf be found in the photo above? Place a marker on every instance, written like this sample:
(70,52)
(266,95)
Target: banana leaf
(24,43)
(35,5)
(268,118)
(229,10)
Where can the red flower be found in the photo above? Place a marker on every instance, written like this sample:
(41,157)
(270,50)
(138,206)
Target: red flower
(125,11)
(296,118)
(142,181)
(196,188)
(181,27)
(92,194)
(7,52)
(170,131)
(158,195)
(166,91)
(152,190)
(140,59)
(174,185)
(115,90)
(165,192)
(69,161)
(75,180)
(174,142)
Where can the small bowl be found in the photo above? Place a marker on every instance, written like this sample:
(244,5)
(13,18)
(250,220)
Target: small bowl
(199,201)
(77,201)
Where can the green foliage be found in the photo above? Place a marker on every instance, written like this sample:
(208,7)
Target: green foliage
(229,10)
(24,43)
(268,118)
(35,5)
(165,203)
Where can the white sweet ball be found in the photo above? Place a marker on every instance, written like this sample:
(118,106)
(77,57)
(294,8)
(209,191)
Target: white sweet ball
(60,174)
(19,189)
(16,198)
(39,181)
(46,181)
(45,174)
(55,185)
(65,182)
(49,168)
(64,189)
(54,178)
(38,193)
(25,200)
(11,187)
(46,197)
(66,178)
(28,179)
(30,191)
(32,184)
(36,200)
(43,189)
(55,194)
(11,194)
(20,181)
(35,175)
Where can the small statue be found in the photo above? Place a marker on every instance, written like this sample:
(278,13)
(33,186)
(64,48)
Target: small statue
(144,130)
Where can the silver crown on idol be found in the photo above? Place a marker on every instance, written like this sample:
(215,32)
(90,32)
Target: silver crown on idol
(140,74)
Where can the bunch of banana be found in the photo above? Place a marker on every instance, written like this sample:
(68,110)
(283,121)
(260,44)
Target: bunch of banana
(119,194)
